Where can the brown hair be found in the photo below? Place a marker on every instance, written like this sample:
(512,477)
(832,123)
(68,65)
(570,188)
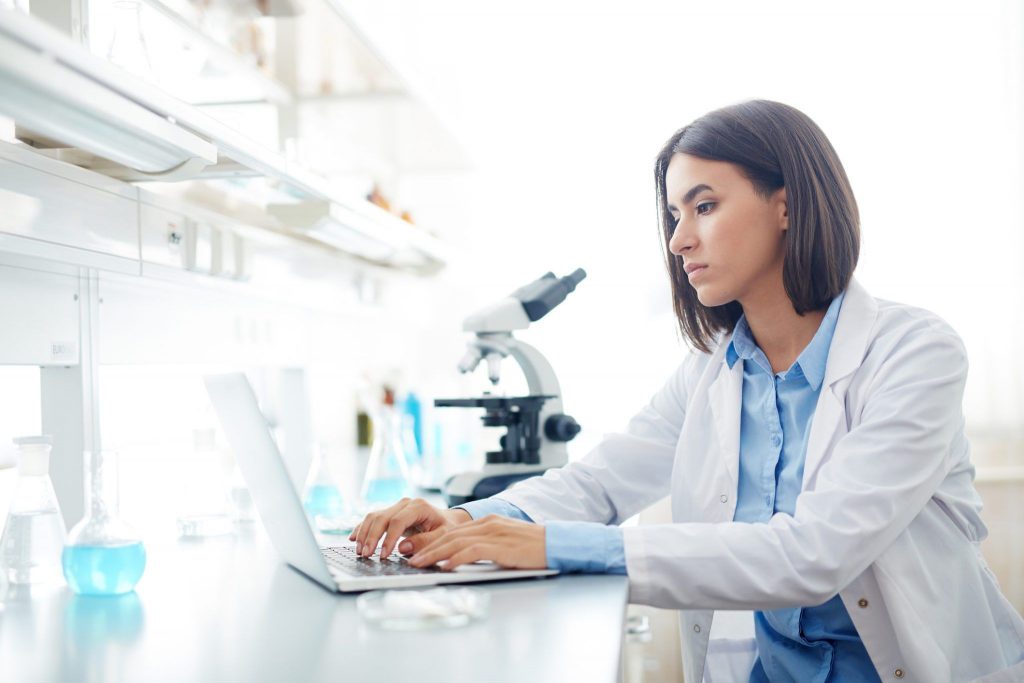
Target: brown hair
(774,146)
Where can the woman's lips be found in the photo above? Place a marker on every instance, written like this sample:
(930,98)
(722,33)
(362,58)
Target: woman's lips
(696,272)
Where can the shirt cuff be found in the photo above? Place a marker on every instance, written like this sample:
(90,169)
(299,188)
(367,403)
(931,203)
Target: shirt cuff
(493,506)
(585,547)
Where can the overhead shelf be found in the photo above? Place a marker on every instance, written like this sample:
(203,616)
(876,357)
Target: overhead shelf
(67,106)
(273,90)
(369,232)
(53,86)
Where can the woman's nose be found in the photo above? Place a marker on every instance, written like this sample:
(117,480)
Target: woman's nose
(681,241)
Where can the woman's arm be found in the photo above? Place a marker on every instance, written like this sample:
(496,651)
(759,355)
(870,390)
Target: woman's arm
(623,474)
(877,479)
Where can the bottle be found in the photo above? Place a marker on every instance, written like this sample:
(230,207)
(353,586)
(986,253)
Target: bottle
(321,497)
(103,555)
(388,477)
(128,48)
(243,509)
(410,423)
(205,504)
(34,533)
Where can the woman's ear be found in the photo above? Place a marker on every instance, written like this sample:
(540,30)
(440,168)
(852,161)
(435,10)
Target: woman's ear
(782,208)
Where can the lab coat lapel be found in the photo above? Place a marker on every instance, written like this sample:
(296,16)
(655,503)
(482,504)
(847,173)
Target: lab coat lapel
(849,345)
(726,397)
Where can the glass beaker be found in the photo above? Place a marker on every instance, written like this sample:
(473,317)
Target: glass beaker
(34,533)
(204,501)
(322,497)
(128,46)
(388,477)
(103,555)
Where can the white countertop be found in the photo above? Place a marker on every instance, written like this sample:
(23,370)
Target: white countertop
(228,609)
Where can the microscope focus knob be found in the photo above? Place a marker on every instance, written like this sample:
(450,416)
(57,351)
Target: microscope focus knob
(561,428)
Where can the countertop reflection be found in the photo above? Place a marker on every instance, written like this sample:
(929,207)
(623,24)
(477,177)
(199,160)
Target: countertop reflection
(227,608)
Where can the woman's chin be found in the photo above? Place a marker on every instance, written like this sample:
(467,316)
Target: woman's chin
(709,297)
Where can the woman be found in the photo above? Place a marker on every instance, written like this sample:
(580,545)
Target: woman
(812,444)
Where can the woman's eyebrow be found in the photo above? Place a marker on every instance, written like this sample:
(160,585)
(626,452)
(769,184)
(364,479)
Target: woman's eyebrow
(690,194)
(694,191)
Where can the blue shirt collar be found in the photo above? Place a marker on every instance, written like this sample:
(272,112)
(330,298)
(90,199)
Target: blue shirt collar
(812,359)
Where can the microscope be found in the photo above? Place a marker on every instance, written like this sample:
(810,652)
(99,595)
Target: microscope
(536,428)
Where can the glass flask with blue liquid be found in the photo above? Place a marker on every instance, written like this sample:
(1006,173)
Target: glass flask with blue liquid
(388,474)
(34,532)
(322,499)
(103,555)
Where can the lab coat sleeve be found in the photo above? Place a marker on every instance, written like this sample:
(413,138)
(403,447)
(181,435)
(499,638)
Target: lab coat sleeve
(877,478)
(620,476)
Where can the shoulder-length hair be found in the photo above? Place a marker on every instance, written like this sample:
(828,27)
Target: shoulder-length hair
(774,146)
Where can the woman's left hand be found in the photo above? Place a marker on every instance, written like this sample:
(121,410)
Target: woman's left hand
(511,543)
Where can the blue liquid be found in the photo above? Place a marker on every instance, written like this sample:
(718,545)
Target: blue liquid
(103,569)
(387,490)
(324,500)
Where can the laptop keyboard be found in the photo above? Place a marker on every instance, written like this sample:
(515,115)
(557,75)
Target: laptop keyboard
(346,559)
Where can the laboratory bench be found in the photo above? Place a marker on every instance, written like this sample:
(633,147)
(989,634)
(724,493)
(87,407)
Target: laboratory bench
(227,608)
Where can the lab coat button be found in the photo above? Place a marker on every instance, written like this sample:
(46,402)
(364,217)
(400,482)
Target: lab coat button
(776,440)
(724,498)
(696,628)
(898,673)
(862,603)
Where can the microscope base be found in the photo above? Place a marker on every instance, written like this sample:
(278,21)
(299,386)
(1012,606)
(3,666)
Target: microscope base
(469,486)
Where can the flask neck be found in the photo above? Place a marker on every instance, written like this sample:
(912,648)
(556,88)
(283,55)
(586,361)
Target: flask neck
(101,484)
(34,460)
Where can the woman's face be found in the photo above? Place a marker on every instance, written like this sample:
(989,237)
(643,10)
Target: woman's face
(731,239)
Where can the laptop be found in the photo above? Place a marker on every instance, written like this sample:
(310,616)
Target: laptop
(336,568)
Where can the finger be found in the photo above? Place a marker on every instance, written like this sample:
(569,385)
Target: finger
(397,527)
(443,549)
(373,534)
(355,532)
(375,523)
(481,528)
(475,552)
(417,516)
(416,542)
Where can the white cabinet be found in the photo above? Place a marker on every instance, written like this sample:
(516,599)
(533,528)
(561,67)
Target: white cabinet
(39,311)
(55,210)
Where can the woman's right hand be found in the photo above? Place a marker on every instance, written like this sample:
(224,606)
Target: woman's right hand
(409,517)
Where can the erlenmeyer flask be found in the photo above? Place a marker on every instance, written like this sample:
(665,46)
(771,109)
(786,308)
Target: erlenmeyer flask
(34,533)
(128,46)
(103,556)
(321,496)
(388,477)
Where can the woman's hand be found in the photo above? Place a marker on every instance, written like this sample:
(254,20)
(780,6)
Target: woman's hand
(508,542)
(408,517)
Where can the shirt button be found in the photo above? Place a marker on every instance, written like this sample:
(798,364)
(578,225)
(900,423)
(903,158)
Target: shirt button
(696,629)
(724,498)
(898,673)
(862,603)
(776,440)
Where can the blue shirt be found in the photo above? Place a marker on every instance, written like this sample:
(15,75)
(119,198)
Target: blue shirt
(809,644)
(818,643)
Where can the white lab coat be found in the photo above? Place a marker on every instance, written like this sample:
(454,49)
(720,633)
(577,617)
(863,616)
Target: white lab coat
(888,515)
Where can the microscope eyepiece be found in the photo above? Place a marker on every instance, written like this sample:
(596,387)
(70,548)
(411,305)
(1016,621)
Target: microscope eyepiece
(543,294)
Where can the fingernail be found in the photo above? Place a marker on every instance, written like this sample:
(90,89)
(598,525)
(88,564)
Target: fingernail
(415,559)
(405,546)
(359,548)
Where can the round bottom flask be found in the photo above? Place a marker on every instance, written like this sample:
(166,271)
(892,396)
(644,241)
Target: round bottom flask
(103,555)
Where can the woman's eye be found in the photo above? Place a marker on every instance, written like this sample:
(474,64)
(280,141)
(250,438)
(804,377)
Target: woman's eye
(701,207)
